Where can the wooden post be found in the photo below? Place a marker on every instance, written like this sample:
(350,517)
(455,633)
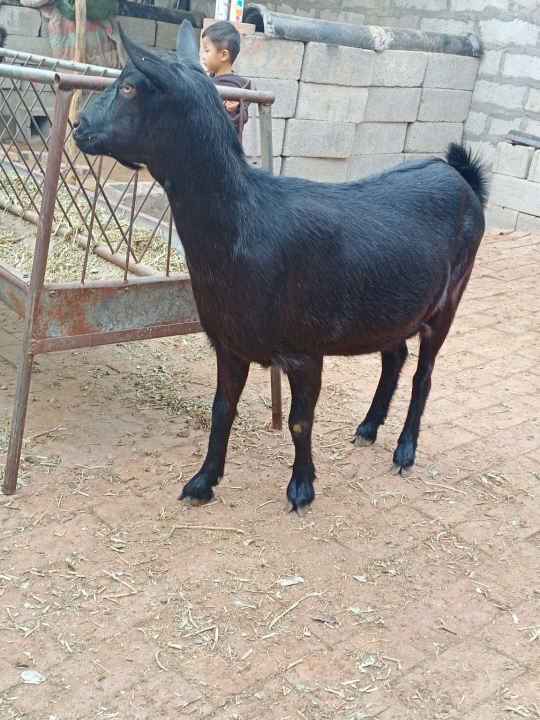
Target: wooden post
(80,57)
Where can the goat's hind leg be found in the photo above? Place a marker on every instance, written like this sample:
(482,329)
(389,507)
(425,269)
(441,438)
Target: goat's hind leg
(305,385)
(392,364)
(232,374)
(432,336)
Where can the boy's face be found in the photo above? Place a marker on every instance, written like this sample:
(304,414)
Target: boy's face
(212,58)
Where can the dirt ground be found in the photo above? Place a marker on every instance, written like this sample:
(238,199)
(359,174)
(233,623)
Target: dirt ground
(393,598)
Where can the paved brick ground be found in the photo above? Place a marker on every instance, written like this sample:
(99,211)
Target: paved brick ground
(420,596)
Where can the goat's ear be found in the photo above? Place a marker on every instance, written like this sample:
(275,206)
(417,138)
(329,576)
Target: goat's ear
(159,72)
(186,45)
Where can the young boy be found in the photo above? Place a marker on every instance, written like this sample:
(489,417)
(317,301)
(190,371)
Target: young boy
(220,46)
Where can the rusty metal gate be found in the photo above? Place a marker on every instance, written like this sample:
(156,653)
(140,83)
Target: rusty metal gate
(100,209)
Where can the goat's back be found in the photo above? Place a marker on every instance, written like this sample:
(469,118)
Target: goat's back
(345,268)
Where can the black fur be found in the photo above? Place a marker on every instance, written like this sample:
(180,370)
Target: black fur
(286,270)
(3,38)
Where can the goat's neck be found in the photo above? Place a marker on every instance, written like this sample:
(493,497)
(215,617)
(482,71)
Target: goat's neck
(206,205)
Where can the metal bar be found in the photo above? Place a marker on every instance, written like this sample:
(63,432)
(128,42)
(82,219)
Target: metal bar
(56,63)
(23,72)
(169,245)
(61,344)
(130,231)
(13,290)
(92,216)
(265,126)
(24,371)
(154,232)
(75,82)
(153,12)
(135,268)
(72,81)
(367,37)
(101,309)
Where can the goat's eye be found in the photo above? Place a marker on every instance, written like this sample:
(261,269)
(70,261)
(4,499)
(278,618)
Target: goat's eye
(128,90)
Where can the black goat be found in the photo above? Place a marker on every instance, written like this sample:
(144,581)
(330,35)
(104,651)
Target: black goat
(286,270)
(3,38)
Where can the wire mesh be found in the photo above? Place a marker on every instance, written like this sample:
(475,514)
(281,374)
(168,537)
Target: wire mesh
(99,204)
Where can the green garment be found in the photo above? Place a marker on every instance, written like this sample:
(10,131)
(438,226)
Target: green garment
(95,9)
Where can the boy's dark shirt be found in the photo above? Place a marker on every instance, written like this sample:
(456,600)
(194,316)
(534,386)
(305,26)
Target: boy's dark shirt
(240,115)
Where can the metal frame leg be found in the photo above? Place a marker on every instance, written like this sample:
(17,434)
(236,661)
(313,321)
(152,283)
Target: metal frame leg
(265,120)
(39,265)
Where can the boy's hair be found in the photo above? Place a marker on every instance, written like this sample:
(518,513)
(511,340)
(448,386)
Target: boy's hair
(224,36)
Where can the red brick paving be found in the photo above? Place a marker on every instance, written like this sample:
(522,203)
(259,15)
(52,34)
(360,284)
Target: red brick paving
(423,593)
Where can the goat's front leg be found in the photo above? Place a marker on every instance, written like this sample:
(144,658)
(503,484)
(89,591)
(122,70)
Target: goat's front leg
(305,387)
(232,374)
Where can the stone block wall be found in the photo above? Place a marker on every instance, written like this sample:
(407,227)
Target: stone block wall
(507,94)
(343,113)
(515,189)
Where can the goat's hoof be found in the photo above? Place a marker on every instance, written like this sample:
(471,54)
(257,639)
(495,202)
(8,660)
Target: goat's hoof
(198,491)
(193,502)
(365,435)
(404,457)
(300,492)
(299,511)
(360,441)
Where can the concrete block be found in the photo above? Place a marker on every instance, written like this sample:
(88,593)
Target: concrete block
(431,5)
(276,162)
(500,127)
(508,97)
(20,20)
(139,30)
(534,170)
(500,218)
(264,57)
(485,151)
(444,105)
(528,223)
(350,17)
(476,123)
(522,66)
(379,138)
(416,157)
(445,25)
(533,127)
(513,160)
(252,138)
(508,32)
(312,138)
(285,92)
(533,102)
(452,72)
(166,35)
(407,20)
(363,166)
(337,65)
(490,63)
(515,193)
(399,68)
(321,169)
(34,45)
(333,103)
(393,104)
(477,5)
(432,137)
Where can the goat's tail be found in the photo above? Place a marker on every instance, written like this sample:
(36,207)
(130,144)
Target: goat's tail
(3,36)
(470,167)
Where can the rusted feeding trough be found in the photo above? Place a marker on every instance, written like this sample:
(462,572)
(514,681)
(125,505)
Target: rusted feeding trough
(103,211)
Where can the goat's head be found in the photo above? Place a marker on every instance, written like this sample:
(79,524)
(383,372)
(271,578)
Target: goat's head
(151,108)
